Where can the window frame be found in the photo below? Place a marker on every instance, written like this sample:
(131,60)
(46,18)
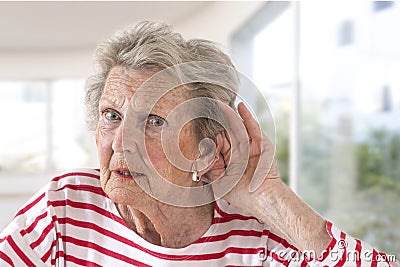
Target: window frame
(242,50)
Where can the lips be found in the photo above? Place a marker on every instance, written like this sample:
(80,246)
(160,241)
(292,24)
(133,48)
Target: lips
(125,173)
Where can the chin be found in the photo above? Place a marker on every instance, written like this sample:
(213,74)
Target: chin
(125,195)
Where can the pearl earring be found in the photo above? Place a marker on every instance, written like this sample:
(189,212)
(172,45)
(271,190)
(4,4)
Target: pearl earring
(195,178)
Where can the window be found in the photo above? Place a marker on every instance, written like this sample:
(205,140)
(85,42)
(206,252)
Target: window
(267,40)
(381,5)
(341,74)
(23,135)
(43,133)
(272,57)
(44,127)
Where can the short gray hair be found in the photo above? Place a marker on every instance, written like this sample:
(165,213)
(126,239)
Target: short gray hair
(150,45)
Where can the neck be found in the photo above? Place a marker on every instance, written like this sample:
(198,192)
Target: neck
(168,226)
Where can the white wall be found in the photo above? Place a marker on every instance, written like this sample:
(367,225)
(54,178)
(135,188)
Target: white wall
(216,21)
(45,65)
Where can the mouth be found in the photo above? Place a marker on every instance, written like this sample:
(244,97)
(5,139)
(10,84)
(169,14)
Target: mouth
(126,174)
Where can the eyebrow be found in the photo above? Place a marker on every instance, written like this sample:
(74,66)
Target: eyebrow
(107,101)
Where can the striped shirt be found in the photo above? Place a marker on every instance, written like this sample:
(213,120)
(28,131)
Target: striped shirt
(72,222)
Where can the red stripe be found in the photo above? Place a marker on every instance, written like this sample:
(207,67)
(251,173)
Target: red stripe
(169,257)
(7,259)
(374,262)
(59,254)
(33,225)
(229,234)
(87,206)
(71,174)
(344,256)
(385,257)
(88,188)
(232,215)
(80,261)
(329,228)
(102,250)
(57,178)
(46,256)
(30,205)
(304,263)
(278,258)
(19,252)
(358,253)
(331,244)
(45,232)
(231,218)
(110,234)
(119,238)
(218,209)
(218,255)
(282,241)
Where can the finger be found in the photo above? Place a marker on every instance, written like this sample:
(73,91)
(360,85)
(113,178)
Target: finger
(235,127)
(226,150)
(264,166)
(252,126)
(253,130)
(228,179)
(217,170)
(223,142)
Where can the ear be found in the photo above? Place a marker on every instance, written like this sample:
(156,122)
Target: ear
(216,157)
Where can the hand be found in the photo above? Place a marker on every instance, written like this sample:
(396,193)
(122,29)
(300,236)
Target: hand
(259,190)
(245,155)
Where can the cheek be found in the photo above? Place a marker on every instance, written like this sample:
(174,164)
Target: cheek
(104,147)
(187,143)
(188,149)
(163,164)
(155,152)
(179,151)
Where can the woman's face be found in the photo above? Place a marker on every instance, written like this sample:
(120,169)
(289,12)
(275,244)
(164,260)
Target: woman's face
(118,172)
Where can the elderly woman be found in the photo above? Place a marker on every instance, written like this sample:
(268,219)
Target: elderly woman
(184,178)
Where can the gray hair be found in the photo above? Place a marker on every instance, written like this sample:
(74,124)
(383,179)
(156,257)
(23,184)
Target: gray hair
(150,45)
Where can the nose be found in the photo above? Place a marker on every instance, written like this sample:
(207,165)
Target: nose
(117,144)
(129,145)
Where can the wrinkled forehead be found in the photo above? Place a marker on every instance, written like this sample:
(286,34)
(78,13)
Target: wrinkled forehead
(144,88)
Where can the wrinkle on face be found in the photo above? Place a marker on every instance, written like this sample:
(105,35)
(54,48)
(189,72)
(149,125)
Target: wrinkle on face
(150,218)
(120,87)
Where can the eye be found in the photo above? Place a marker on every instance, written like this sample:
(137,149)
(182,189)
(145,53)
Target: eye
(111,115)
(155,121)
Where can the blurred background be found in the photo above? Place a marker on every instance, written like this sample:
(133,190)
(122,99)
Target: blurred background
(329,70)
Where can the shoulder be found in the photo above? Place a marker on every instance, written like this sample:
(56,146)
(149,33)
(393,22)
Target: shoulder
(62,193)
(77,189)
(75,177)
(44,218)
(73,183)
(66,185)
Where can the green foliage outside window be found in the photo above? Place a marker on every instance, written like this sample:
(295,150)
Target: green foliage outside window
(378,161)
(373,214)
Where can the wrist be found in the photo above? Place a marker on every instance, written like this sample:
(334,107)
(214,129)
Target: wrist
(279,207)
